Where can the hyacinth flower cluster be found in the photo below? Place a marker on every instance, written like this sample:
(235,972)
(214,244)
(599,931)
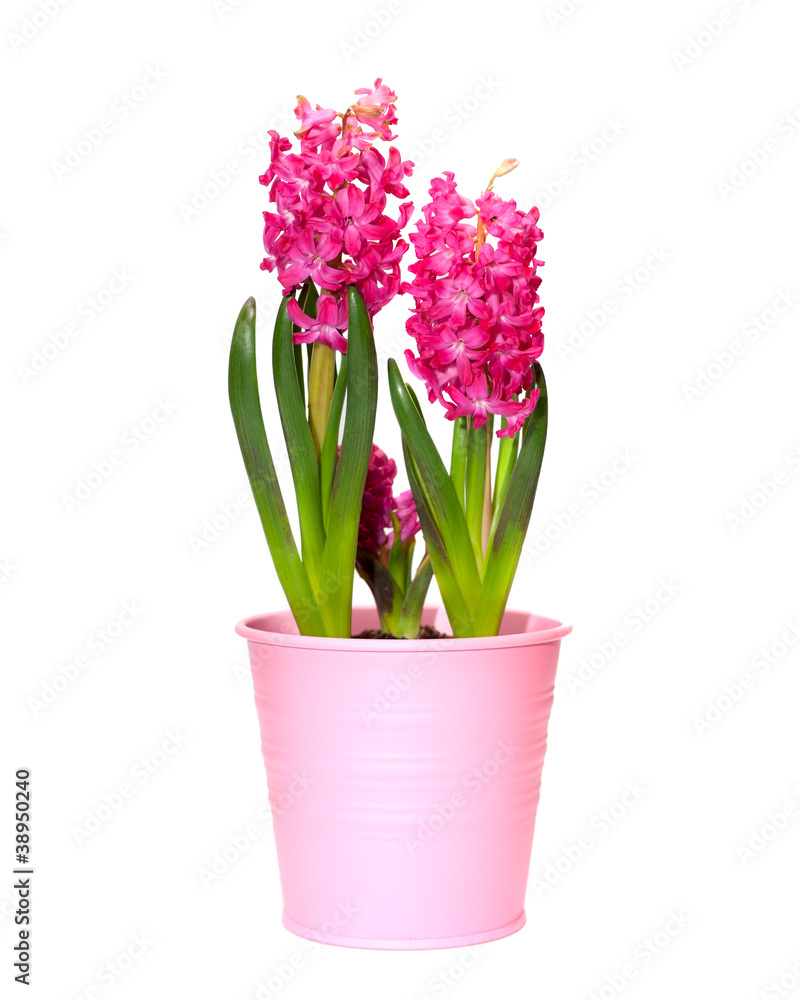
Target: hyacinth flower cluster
(476,320)
(329,223)
(336,252)
(386,543)
(477,325)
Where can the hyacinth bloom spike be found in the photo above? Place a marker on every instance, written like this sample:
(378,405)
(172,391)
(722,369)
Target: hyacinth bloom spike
(477,324)
(330,201)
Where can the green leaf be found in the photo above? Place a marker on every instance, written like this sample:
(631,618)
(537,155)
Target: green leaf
(298,364)
(459,614)
(507,456)
(475,487)
(249,423)
(307,300)
(506,543)
(338,564)
(400,556)
(409,625)
(458,457)
(330,445)
(299,445)
(415,401)
(444,509)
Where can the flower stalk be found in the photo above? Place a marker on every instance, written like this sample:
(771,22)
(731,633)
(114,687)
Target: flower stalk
(321,375)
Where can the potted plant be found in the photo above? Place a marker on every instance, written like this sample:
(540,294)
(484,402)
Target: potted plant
(403,743)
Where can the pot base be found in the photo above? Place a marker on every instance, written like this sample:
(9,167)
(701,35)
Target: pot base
(410,944)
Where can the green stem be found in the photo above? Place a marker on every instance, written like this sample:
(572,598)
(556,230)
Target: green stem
(320,391)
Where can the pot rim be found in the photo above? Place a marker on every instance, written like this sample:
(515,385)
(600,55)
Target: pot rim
(250,629)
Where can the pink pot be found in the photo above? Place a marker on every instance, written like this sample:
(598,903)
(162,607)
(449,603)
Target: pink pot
(403,776)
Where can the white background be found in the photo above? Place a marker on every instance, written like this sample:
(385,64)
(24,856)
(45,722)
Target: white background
(670,110)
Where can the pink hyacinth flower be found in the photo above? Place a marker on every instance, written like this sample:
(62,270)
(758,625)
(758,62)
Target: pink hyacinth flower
(308,258)
(476,318)
(331,319)
(377,502)
(406,512)
(329,219)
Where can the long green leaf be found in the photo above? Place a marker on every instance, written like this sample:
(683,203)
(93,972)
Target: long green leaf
(299,445)
(409,624)
(458,613)
(338,564)
(298,364)
(307,300)
(445,510)
(475,486)
(506,458)
(458,456)
(330,446)
(249,423)
(401,555)
(506,543)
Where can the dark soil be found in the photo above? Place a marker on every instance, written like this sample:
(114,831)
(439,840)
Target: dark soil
(426,632)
